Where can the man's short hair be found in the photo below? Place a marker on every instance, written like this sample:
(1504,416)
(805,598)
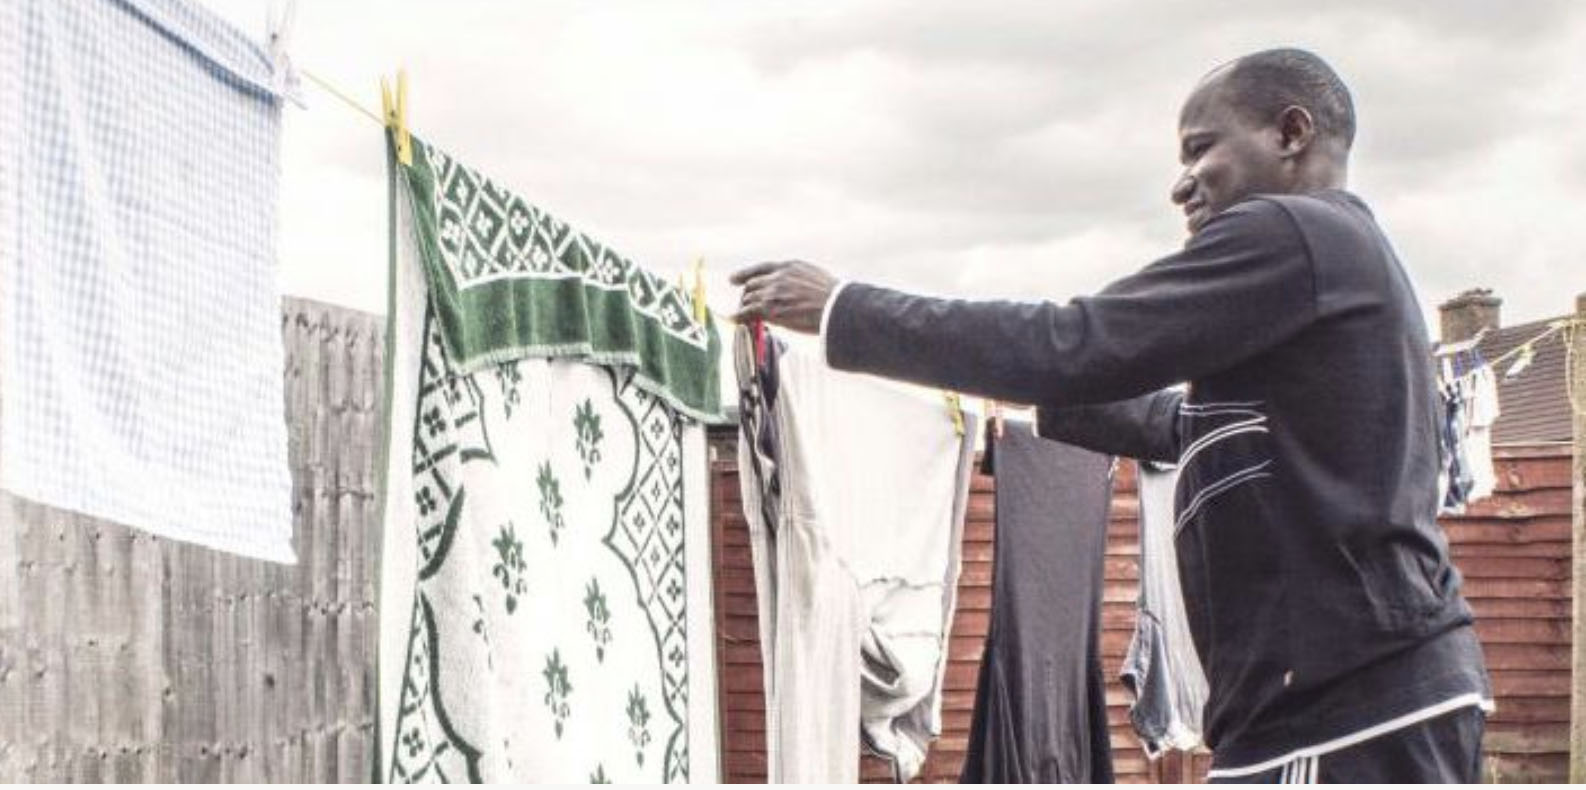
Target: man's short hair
(1263,84)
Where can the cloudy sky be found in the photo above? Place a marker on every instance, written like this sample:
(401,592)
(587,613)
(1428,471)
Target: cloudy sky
(1010,149)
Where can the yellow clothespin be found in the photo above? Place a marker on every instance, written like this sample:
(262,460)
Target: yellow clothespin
(955,409)
(395,109)
(701,311)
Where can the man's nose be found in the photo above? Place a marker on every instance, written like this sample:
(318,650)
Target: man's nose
(1183,189)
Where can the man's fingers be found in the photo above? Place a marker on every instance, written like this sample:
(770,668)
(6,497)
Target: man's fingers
(789,294)
(748,273)
(749,311)
(752,304)
(755,291)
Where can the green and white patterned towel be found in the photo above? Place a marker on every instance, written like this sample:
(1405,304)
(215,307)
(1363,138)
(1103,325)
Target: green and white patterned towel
(509,281)
(545,582)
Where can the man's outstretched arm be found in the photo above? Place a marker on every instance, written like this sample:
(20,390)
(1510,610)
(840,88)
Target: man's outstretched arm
(1241,285)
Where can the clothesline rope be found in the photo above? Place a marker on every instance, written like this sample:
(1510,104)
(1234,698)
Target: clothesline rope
(348,100)
(1557,327)
(338,93)
(1552,328)
(1566,327)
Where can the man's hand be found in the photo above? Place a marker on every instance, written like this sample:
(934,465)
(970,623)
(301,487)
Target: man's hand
(791,294)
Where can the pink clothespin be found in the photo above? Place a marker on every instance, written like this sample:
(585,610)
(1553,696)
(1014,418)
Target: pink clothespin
(760,343)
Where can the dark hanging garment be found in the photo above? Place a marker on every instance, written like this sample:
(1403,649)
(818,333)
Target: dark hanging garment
(1041,707)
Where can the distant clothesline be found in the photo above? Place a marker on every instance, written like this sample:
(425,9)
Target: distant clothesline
(1524,351)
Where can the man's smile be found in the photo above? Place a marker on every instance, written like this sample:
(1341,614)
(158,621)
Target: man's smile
(1192,213)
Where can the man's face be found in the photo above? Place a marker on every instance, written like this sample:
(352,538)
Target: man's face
(1226,157)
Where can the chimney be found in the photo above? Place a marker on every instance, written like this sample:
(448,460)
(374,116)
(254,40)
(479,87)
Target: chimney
(1468,313)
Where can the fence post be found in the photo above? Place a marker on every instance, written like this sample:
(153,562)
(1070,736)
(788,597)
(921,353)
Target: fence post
(1576,390)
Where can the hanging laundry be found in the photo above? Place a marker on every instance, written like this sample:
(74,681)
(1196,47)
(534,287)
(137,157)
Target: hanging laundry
(1469,409)
(1161,668)
(1040,704)
(756,364)
(545,585)
(140,343)
(1453,475)
(1482,413)
(854,490)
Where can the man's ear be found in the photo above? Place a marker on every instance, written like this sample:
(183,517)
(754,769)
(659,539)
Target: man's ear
(1296,130)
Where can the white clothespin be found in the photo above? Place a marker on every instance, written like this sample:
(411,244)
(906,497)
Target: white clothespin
(1526,356)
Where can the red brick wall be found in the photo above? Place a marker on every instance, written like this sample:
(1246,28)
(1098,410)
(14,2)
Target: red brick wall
(1513,550)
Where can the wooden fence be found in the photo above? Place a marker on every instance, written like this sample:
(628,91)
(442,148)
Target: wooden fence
(1514,551)
(125,657)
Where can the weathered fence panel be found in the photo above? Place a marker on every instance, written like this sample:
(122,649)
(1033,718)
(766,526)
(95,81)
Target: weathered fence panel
(125,657)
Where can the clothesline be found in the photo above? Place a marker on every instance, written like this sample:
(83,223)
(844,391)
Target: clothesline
(1527,347)
(955,407)
(338,93)
(1567,326)
(1552,328)
(700,302)
(1566,329)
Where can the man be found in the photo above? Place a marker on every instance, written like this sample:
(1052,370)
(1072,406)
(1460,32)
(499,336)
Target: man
(1318,585)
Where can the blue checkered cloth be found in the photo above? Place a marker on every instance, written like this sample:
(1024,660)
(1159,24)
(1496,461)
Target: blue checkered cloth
(140,339)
